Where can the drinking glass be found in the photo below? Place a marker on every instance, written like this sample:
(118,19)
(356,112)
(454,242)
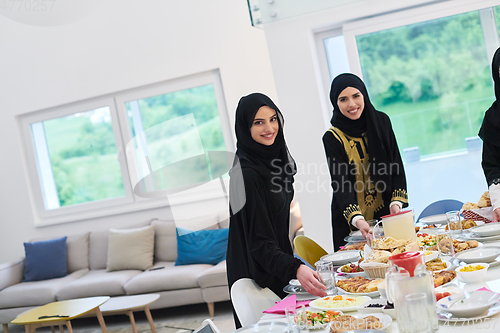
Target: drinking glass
(454,222)
(445,243)
(296,318)
(326,274)
(417,307)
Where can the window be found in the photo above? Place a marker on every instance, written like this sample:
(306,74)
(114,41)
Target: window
(432,77)
(171,133)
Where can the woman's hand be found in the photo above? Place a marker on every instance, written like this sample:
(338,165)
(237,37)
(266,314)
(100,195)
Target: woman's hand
(309,279)
(496,215)
(364,227)
(395,209)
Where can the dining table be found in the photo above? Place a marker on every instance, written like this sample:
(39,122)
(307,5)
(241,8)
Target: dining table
(488,324)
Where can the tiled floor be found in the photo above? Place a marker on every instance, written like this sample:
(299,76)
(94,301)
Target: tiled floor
(183,319)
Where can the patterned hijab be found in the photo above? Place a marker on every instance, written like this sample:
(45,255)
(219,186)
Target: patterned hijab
(369,123)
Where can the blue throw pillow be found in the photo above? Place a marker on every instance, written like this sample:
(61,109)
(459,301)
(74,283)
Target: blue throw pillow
(45,259)
(201,247)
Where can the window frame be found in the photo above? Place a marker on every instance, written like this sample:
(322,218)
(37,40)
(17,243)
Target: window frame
(121,132)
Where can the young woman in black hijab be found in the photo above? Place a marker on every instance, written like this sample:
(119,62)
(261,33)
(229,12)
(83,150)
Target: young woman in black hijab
(260,193)
(490,133)
(366,169)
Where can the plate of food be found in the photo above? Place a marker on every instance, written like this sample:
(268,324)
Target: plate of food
(425,239)
(369,294)
(445,291)
(444,278)
(374,321)
(437,265)
(340,302)
(359,286)
(342,257)
(317,319)
(351,269)
(434,219)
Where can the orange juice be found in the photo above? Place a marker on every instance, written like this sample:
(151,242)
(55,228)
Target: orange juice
(400,225)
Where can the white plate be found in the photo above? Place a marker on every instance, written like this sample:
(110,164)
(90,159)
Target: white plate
(342,257)
(448,265)
(446,316)
(490,229)
(385,319)
(479,254)
(454,282)
(471,304)
(434,219)
(267,327)
(297,290)
(339,270)
(370,294)
(343,309)
(452,289)
(319,325)
(473,236)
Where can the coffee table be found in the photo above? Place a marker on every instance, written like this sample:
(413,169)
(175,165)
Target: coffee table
(128,305)
(61,313)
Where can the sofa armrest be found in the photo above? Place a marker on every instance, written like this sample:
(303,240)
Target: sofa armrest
(11,273)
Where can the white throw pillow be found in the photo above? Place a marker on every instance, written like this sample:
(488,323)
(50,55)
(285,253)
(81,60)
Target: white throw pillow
(131,248)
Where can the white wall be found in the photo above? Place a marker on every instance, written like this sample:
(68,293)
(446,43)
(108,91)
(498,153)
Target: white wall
(124,44)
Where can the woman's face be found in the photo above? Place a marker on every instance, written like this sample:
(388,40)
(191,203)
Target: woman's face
(265,126)
(351,103)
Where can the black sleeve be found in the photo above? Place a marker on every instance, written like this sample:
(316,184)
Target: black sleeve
(491,162)
(344,193)
(398,176)
(261,236)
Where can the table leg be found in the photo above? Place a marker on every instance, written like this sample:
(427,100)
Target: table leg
(27,328)
(132,321)
(5,328)
(101,320)
(150,319)
(61,328)
(52,329)
(68,325)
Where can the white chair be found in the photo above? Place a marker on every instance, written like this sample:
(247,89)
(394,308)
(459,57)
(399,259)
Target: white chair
(249,300)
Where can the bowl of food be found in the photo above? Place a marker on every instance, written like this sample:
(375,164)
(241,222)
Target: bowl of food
(468,305)
(382,290)
(373,306)
(429,255)
(317,319)
(389,310)
(472,273)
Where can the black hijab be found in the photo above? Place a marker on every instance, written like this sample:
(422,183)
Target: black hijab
(269,161)
(490,129)
(370,122)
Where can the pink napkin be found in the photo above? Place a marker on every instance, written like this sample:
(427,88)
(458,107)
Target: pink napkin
(279,307)
(486,289)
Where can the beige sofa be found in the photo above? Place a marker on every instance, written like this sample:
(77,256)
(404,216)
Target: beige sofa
(87,256)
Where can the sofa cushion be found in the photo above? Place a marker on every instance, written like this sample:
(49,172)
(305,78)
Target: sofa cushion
(131,248)
(171,277)
(45,259)
(201,247)
(98,246)
(214,276)
(36,293)
(165,240)
(97,283)
(77,250)
(166,236)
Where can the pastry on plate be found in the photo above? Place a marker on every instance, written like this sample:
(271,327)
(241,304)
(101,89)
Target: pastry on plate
(359,284)
(443,277)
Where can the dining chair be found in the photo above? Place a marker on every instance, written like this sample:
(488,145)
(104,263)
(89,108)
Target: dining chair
(440,207)
(308,249)
(249,300)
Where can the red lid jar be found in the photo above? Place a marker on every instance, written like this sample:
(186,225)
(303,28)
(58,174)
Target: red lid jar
(407,260)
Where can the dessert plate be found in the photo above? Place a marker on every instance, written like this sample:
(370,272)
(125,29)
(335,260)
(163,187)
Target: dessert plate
(434,219)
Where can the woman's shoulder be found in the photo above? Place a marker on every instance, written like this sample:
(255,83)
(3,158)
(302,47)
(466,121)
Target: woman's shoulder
(382,116)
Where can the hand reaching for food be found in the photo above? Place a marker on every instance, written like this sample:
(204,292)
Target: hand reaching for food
(364,227)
